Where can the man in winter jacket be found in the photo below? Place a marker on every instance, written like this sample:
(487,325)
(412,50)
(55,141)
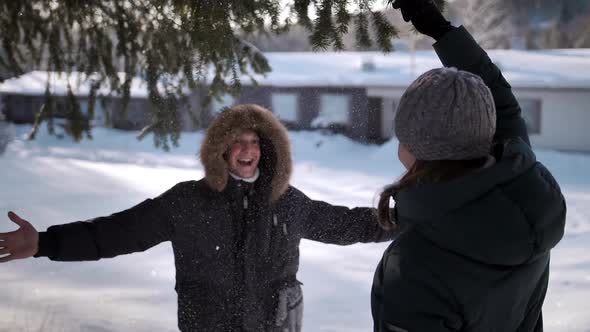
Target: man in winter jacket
(235,233)
(473,249)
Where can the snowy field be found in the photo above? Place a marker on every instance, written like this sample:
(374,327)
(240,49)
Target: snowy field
(52,181)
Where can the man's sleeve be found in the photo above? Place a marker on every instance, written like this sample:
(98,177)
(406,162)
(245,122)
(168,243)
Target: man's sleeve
(136,229)
(329,223)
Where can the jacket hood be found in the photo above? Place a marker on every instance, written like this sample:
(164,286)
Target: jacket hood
(506,214)
(275,161)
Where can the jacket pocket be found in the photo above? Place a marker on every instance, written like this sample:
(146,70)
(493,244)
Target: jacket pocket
(279,238)
(202,308)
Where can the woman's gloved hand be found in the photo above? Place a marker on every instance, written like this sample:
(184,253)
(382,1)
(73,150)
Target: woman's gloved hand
(424,15)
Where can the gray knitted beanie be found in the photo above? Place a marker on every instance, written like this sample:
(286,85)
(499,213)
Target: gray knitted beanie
(446,114)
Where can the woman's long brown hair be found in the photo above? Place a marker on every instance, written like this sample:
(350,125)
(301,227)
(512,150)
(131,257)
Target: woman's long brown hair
(423,172)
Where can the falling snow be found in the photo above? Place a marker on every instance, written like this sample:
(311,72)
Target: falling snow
(53,181)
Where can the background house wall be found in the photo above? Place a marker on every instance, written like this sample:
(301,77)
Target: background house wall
(564,118)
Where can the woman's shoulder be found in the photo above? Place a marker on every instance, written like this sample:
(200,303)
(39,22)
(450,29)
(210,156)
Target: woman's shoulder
(520,157)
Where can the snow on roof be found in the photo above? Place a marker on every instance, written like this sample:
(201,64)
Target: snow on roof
(523,69)
(35,82)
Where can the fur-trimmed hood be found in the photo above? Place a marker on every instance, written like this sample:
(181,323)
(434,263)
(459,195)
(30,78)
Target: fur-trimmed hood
(275,146)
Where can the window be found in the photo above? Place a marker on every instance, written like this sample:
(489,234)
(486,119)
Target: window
(284,105)
(99,115)
(531,112)
(227,100)
(83,107)
(334,109)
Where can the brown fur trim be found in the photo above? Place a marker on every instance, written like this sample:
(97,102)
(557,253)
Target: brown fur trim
(226,128)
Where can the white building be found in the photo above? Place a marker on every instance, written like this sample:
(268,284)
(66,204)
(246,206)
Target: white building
(552,86)
(359,91)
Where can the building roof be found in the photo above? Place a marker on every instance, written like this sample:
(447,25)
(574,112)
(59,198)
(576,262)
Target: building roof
(523,69)
(34,83)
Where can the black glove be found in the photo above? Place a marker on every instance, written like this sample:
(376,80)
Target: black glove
(425,16)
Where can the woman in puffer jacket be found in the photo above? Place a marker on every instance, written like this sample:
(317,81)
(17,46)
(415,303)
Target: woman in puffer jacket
(477,213)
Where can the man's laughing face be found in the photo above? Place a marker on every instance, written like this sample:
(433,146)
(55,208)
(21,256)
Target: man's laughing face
(244,154)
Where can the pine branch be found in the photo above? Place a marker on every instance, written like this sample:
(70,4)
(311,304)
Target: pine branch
(324,27)
(363,40)
(385,31)
(173,44)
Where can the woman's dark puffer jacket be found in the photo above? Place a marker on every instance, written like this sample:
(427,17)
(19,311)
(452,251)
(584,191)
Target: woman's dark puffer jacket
(473,254)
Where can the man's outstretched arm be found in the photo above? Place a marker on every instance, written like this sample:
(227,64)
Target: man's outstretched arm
(327,223)
(136,229)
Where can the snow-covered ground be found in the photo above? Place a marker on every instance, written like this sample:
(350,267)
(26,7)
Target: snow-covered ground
(51,181)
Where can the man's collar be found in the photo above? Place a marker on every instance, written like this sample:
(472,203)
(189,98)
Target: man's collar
(251,179)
